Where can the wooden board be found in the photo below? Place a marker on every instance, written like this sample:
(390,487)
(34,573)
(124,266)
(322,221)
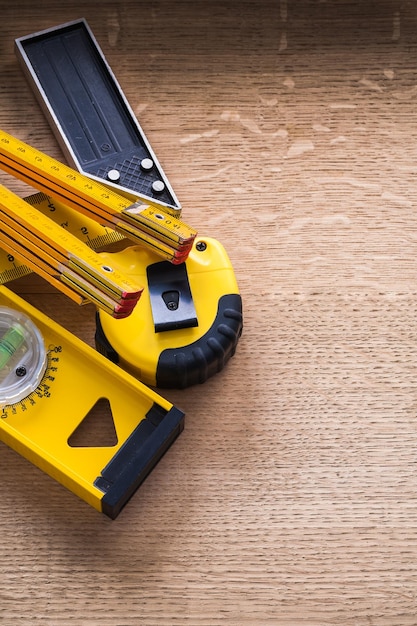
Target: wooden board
(288,132)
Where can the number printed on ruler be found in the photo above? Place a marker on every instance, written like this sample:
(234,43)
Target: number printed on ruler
(88,231)
(172,238)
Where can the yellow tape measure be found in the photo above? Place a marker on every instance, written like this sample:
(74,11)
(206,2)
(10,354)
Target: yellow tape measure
(186,326)
(51,383)
(142,223)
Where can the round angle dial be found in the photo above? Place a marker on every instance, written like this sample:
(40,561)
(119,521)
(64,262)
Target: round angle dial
(23,358)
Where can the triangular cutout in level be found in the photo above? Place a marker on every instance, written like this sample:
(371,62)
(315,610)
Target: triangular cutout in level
(97,428)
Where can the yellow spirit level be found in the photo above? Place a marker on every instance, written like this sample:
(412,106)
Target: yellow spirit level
(41,365)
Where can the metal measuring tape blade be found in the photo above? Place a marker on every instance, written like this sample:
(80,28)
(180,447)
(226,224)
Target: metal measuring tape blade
(50,383)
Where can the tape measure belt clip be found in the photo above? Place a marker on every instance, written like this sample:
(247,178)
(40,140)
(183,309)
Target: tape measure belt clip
(170,296)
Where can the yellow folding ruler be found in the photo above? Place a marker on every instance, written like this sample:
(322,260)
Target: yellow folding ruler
(87,231)
(62,258)
(142,223)
(51,383)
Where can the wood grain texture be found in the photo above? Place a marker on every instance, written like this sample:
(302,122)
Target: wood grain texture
(288,131)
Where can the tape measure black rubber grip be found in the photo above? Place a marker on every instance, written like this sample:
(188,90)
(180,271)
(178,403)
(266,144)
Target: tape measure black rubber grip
(199,361)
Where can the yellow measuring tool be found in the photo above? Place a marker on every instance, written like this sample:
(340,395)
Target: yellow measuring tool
(62,258)
(142,223)
(87,231)
(52,384)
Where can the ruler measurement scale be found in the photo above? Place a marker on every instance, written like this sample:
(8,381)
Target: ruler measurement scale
(85,229)
(91,233)
(27,266)
(170,236)
(53,252)
(74,286)
(44,234)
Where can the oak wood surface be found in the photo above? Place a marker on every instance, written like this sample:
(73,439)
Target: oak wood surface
(288,131)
